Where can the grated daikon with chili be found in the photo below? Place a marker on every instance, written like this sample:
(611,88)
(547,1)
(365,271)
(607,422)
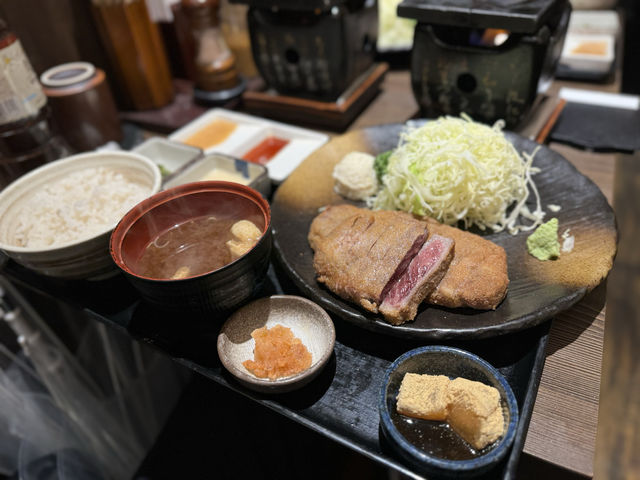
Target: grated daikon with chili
(278,353)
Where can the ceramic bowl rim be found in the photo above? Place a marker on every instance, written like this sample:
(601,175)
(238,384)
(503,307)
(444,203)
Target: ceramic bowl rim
(310,372)
(461,466)
(165,196)
(22,183)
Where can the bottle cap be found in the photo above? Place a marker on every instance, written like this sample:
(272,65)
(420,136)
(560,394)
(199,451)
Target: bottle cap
(67,74)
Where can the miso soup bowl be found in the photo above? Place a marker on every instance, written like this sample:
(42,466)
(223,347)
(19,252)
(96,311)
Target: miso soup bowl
(217,291)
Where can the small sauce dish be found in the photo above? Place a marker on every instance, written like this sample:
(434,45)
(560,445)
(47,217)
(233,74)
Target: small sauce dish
(307,321)
(218,166)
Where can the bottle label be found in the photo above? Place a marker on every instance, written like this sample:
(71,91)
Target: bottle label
(21,95)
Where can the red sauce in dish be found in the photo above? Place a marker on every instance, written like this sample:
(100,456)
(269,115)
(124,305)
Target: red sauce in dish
(265,150)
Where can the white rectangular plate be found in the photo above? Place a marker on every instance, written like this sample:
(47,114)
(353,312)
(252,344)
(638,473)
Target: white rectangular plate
(250,131)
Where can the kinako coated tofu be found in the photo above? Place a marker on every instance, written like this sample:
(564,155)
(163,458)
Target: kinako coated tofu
(424,396)
(471,408)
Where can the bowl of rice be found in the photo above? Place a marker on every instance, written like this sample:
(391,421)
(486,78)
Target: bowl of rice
(57,219)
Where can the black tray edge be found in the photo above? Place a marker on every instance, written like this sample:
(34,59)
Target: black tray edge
(526,410)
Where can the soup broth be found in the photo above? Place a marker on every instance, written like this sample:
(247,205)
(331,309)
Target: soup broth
(192,248)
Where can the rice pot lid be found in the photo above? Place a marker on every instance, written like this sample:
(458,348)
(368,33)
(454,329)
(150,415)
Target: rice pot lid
(516,16)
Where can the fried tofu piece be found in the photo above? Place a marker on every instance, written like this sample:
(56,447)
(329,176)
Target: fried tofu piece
(182,272)
(246,236)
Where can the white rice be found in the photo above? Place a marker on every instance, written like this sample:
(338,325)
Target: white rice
(78,206)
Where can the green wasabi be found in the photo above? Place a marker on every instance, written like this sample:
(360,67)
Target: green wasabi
(543,243)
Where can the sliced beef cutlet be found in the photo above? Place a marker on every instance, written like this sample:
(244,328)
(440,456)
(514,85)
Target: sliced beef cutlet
(477,276)
(362,255)
(423,274)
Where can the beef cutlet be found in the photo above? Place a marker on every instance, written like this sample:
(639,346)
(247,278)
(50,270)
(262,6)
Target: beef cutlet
(422,275)
(363,255)
(477,276)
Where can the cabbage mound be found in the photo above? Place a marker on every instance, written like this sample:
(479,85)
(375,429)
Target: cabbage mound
(454,169)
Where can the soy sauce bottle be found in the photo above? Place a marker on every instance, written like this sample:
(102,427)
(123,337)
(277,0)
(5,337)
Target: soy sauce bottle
(21,96)
(27,139)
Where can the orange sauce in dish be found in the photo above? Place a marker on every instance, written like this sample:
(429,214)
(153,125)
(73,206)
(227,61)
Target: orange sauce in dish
(591,48)
(278,353)
(265,150)
(212,134)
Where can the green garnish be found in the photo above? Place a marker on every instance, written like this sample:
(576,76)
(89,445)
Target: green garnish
(543,243)
(380,164)
(164,171)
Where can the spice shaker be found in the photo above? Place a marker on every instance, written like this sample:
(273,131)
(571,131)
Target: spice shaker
(217,78)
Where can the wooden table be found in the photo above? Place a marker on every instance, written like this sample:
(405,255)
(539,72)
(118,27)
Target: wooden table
(562,432)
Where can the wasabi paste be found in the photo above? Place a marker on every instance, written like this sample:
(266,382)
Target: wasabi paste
(543,243)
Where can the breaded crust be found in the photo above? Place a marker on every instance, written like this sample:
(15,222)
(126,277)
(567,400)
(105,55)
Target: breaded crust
(477,276)
(358,251)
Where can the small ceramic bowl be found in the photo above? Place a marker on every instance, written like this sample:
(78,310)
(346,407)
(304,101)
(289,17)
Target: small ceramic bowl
(218,166)
(169,156)
(307,321)
(86,255)
(452,362)
(218,291)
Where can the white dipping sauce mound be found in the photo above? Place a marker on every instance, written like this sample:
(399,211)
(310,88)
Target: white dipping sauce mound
(80,205)
(355,176)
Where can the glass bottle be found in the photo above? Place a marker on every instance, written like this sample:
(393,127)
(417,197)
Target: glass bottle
(21,96)
(27,139)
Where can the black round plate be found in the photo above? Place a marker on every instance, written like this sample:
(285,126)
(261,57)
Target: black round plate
(537,290)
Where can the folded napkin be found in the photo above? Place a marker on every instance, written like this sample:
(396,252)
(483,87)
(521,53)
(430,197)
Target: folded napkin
(598,128)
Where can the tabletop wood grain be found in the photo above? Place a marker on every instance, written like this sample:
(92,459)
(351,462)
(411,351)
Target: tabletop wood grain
(618,437)
(564,423)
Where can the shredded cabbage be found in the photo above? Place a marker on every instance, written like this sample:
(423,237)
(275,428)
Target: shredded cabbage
(455,169)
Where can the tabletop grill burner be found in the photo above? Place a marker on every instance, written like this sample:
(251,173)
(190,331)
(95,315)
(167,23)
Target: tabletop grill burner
(313,48)
(488,59)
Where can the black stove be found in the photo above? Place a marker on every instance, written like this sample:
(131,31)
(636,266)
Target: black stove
(313,48)
(486,58)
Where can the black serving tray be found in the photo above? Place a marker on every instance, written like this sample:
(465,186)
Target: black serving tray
(341,403)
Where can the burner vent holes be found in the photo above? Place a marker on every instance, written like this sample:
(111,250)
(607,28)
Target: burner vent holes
(292,56)
(466,82)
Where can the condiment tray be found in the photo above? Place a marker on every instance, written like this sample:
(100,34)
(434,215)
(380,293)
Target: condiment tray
(249,133)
